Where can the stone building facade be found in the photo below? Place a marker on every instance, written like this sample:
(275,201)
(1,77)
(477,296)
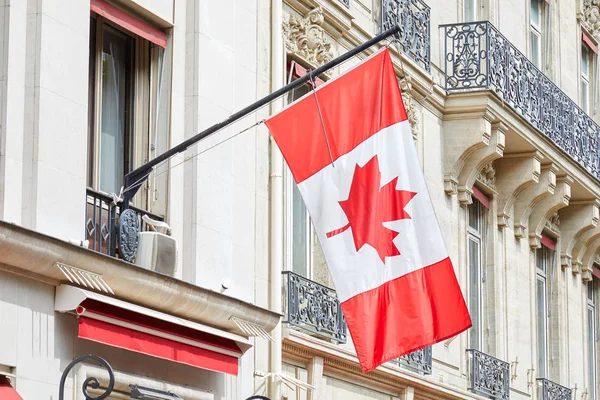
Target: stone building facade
(502,97)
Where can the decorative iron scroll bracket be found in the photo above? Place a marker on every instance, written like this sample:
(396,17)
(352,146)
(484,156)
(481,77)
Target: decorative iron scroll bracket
(90,382)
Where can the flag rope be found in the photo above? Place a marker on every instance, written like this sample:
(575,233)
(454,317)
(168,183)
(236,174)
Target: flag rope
(314,90)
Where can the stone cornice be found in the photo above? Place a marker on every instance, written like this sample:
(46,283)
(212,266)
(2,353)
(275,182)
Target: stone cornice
(341,362)
(34,254)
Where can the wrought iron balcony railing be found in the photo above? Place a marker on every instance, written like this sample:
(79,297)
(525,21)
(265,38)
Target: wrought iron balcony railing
(419,360)
(489,376)
(478,56)
(414,37)
(548,390)
(102,220)
(345,3)
(313,307)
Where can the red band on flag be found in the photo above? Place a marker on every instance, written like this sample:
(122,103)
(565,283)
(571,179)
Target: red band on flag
(395,318)
(368,91)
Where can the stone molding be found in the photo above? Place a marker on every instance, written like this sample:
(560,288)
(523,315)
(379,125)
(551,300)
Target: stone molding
(590,17)
(306,38)
(546,209)
(531,196)
(514,173)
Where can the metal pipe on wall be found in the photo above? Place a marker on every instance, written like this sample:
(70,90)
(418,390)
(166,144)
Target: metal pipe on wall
(276,199)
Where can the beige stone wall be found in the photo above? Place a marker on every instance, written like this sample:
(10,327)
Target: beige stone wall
(479,131)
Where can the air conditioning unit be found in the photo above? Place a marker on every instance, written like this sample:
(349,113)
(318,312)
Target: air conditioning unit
(157,251)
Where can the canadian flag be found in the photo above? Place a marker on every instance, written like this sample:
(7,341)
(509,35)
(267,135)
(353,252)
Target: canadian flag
(366,194)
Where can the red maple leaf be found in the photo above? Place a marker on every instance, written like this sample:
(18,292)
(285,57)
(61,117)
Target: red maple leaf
(368,206)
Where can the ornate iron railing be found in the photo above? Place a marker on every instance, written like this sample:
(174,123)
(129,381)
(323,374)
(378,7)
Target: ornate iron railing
(345,3)
(489,376)
(548,390)
(102,222)
(420,360)
(478,56)
(313,307)
(414,18)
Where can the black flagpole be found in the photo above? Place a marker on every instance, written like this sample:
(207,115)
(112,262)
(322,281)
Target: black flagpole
(139,174)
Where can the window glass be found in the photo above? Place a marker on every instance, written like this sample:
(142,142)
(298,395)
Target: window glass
(475,292)
(592,335)
(535,35)
(476,249)
(300,232)
(470,10)
(117,51)
(541,326)
(585,79)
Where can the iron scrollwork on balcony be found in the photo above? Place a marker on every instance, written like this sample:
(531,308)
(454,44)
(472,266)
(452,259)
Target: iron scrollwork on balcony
(489,376)
(413,16)
(478,56)
(552,391)
(346,3)
(313,307)
(419,360)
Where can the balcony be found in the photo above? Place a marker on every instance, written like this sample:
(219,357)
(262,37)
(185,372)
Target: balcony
(489,376)
(313,308)
(479,57)
(414,37)
(419,361)
(548,390)
(102,223)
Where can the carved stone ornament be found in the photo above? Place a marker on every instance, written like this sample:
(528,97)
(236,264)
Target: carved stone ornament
(129,235)
(487,175)
(411,110)
(553,223)
(306,37)
(591,17)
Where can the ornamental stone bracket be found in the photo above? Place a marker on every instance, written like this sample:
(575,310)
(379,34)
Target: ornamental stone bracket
(590,17)
(547,208)
(531,196)
(589,257)
(584,245)
(479,160)
(463,138)
(576,219)
(514,173)
(306,38)
(409,105)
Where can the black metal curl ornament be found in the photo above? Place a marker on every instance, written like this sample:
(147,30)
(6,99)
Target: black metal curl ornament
(89,382)
(258,397)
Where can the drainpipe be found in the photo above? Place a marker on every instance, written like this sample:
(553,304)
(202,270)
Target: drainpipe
(276,198)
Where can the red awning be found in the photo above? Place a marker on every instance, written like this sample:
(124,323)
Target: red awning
(596,272)
(548,242)
(7,392)
(131,327)
(588,41)
(483,199)
(129,22)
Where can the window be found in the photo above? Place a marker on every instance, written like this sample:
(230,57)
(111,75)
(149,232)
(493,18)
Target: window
(125,81)
(585,78)
(592,294)
(470,10)
(544,268)
(300,227)
(477,226)
(535,33)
